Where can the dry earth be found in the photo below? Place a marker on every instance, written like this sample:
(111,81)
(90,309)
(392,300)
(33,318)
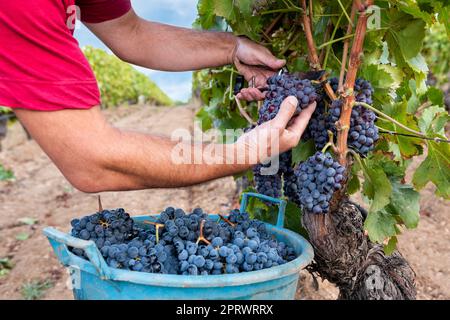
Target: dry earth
(41,192)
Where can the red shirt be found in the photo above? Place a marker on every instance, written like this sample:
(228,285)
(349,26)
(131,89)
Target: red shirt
(41,64)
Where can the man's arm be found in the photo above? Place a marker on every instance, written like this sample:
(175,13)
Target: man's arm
(94,156)
(169,48)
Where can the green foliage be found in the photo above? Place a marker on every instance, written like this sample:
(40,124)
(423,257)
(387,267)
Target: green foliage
(5,267)
(437,52)
(22,236)
(120,83)
(34,290)
(411,39)
(5,110)
(6,174)
(28,221)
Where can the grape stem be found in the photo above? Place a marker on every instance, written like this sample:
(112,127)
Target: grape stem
(226,220)
(243,112)
(100,207)
(201,237)
(272,24)
(357,157)
(328,48)
(313,58)
(345,12)
(312,52)
(330,142)
(285,49)
(365,105)
(325,39)
(345,49)
(284,10)
(157,226)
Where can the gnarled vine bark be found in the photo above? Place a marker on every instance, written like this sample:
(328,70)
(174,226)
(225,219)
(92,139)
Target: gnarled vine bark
(359,268)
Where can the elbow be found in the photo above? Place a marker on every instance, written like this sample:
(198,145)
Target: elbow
(88,178)
(86,182)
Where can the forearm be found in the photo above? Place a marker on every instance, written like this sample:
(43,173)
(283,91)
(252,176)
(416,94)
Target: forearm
(139,161)
(94,156)
(163,47)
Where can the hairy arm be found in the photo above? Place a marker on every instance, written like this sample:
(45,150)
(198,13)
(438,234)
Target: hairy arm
(164,47)
(95,156)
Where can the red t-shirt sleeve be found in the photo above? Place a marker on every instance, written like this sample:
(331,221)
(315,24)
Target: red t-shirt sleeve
(41,64)
(94,11)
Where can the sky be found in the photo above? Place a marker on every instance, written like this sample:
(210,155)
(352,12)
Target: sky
(175,12)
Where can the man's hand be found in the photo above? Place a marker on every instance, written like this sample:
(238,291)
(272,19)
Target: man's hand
(256,62)
(282,133)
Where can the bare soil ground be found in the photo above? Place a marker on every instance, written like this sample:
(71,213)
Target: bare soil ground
(41,192)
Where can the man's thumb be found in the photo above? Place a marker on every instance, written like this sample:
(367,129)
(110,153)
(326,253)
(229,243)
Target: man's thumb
(276,64)
(287,110)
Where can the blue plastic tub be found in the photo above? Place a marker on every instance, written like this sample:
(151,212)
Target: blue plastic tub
(94,279)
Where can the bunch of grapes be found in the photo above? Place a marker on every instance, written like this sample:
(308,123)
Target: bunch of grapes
(267,184)
(290,186)
(318,126)
(107,227)
(282,86)
(192,244)
(271,185)
(317,179)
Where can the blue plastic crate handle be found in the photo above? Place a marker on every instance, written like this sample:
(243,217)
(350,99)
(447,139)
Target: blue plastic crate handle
(61,242)
(281,205)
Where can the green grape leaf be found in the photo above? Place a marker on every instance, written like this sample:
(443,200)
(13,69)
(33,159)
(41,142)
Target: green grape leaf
(206,18)
(444,14)
(411,7)
(404,37)
(408,146)
(436,96)
(380,225)
(353,184)
(405,203)
(303,151)
(391,246)
(293,219)
(433,120)
(245,7)
(393,169)
(376,186)
(382,81)
(435,168)
(204,119)
(410,38)
(225,9)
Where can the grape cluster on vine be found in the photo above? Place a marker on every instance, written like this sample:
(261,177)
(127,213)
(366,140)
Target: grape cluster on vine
(282,86)
(311,185)
(317,179)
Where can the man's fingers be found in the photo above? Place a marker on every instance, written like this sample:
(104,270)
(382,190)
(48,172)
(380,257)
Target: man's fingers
(266,58)
(286,112)
(300,122)
(250,94)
